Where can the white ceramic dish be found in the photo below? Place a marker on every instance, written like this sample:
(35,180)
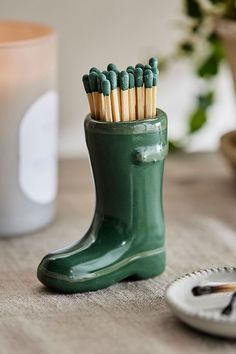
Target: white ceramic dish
(204,312)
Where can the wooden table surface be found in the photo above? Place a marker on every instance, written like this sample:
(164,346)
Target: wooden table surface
(129,317)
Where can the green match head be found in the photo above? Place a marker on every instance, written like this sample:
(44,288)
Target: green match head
(101,77)
(148,78)
(105,73)
(99,83)
(112,67)
(153,62)
(147,67)
(131,80)
(112,77)
(86,83)
(93,81)
(95,70)
(130,69)
(155,75)
(138,75)
(124,80)
(139,65)
(106,87)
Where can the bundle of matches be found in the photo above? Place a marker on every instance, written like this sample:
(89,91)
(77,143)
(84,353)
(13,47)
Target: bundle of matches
(128,95)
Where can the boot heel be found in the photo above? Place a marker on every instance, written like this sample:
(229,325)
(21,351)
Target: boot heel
(149,267)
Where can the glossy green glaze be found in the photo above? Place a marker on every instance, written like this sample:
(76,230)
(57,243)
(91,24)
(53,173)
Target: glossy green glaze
(126,237)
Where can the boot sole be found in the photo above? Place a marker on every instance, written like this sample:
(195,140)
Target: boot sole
(141,266)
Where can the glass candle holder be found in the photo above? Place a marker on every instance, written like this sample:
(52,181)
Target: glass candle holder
(28,126)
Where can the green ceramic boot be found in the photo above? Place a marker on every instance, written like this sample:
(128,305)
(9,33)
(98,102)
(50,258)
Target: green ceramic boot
(126,237)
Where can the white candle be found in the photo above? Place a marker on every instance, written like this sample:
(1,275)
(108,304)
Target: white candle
(28,126)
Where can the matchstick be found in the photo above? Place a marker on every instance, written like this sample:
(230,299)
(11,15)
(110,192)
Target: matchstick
(100,78)
(105,72)
(112,67)
(139,65)
(147,67)
(96,70)
(139,93)
(212,289)
(154,91)
(124,95)
(130,69)
(89,94)
(148,82)
(115,104)
(94,88)
(153,62)
(106,89)
(132,97)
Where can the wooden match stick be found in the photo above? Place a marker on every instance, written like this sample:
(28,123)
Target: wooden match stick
(154,91)
(113,67)
(154,65)
(100,78)
(124,95)
(139,93)
(115,104)
(89,94)
(106,89)
(94,88)
(212,289)
(148,82)
(132,97)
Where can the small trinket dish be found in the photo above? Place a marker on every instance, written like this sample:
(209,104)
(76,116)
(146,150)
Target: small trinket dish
(204,312)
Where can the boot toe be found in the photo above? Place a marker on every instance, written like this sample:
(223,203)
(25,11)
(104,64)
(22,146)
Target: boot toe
(55,273)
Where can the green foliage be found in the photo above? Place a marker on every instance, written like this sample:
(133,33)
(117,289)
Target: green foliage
(206,100)
(201,30)
(216,2)
(175,146)
(197,120)
(186,47)
(193,9)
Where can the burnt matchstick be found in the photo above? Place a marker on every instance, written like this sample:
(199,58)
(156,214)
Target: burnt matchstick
(89,94)
(227,310)
(148,82)
(139,92)
(124,95)
(115,104)
(213,289)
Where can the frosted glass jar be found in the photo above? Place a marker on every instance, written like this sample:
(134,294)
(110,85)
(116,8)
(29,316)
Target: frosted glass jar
(28,126)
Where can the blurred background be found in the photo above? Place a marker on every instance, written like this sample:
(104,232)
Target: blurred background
(94,33)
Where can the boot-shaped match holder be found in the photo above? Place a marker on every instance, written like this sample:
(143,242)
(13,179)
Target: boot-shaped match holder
(126,237)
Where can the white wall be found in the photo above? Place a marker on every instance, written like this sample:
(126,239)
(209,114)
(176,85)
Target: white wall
(94,33)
